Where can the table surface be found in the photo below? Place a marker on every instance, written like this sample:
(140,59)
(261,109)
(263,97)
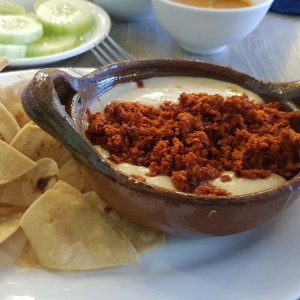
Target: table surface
(271,52)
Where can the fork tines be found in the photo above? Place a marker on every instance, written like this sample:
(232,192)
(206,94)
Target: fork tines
(108,51)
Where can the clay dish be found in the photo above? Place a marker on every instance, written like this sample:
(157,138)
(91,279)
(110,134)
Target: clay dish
(170,211)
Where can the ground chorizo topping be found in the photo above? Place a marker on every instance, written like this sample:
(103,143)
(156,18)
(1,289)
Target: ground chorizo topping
(199,137)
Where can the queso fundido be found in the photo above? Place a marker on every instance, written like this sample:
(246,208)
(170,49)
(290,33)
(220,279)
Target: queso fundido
(199,139)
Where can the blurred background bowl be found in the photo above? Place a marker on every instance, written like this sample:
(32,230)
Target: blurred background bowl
(126,10)
(208,31)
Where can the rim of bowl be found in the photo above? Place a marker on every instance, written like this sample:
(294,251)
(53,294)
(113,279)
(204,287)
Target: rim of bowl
(216,10)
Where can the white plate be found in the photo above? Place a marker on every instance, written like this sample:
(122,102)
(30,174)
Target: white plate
(102,27)
(262,264)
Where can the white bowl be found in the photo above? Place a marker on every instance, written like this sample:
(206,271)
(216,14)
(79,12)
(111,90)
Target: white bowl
(126,10)
(208,31)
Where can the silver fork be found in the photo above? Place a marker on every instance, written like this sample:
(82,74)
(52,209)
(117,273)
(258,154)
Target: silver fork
(108,51)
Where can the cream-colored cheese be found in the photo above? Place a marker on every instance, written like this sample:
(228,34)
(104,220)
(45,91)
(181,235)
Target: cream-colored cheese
(154,93)
(159,89)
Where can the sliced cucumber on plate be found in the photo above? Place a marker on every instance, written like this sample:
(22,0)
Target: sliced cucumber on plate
(19,29)
(51,45)
(9,8)
(13,51)
(65,17)
(54,27)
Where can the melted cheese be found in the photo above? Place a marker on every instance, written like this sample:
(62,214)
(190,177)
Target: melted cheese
(154,93)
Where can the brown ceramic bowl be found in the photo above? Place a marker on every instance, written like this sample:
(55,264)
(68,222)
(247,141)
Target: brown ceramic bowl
(162,209)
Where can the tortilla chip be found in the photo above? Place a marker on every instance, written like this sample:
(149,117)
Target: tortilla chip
(10,217)
(8,125)
(13,164)
(6,210)
(28,257)
(69,172)
(26,189)
(141,237)
(35,143)
(10,97)
(69,233)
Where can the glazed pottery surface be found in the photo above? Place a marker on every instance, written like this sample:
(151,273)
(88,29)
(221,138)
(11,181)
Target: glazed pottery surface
(57,102)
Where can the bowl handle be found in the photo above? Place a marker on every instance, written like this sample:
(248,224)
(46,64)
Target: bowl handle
(47,101)
(289,92)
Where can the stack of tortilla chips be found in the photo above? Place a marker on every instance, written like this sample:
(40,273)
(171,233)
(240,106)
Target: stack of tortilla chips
(43,194)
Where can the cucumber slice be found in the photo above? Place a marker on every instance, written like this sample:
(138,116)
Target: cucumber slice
(13,51)
(19,29)
(51,45)
(9,8)
(64,17)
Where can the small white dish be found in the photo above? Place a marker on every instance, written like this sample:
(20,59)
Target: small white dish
(102,27)
(208,31)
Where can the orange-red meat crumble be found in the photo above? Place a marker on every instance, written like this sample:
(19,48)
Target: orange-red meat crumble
(199,137)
